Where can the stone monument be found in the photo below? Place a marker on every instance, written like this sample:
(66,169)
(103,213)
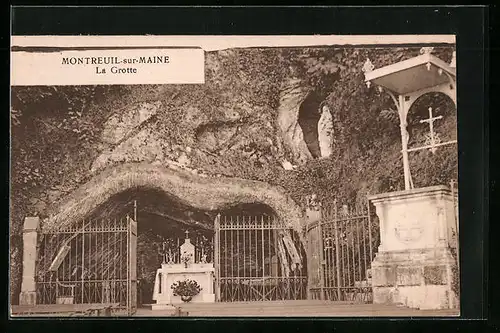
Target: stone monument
(415,264)
(186,269)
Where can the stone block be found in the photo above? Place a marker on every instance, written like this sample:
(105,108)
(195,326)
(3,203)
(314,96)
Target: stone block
(163,307)
(435,275)
(409,276)
(27,298)
(414,219)
(383,295)
(383,276)
(31,224)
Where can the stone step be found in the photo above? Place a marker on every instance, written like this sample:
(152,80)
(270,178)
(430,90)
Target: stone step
(297,309)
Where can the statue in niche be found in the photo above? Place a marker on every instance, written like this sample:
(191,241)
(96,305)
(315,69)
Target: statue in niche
(325,131)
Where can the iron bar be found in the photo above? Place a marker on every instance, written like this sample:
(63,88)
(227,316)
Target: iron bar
(225,249)
(231,249)
(269,256)
(337,252)
(352,251)
(238,250)
(346,231)
(244,247)
(358,249)
(321,263)
(364,248)
(121,254)
(262,265)
(83,258)
(128,263)
(103,259)
(342,254)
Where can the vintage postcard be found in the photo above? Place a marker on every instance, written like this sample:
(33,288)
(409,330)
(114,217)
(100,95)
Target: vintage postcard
(233,176)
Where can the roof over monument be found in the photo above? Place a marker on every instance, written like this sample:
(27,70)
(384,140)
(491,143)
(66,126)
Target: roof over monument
(415,74)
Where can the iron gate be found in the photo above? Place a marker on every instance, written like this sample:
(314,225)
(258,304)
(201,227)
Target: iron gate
(91,262)
(258,259)
(347,243)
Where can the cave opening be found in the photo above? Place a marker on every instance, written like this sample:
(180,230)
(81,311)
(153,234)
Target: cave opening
(309,116)
(162,223)
(253,248)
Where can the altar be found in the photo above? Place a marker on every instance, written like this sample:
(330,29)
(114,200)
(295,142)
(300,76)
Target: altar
(186,273)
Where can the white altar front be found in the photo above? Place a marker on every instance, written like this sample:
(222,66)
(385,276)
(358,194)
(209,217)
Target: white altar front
(170,272)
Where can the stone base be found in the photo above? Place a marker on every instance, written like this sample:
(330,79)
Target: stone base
(27,298)
(419,279)
(163,307)
(430,297)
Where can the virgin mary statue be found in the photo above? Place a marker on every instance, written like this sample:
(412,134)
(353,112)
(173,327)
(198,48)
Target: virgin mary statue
(325,131)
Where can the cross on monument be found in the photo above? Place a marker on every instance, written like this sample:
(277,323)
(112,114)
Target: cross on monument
(434,138)
(187,234)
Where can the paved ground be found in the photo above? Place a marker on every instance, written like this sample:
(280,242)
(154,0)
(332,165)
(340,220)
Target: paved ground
(296,309)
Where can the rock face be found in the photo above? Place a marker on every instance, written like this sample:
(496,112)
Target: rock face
(122,124)
(202,193)
(212,137)
(144,146)
(292,95)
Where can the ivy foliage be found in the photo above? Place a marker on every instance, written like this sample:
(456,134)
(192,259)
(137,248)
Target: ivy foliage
(55,130)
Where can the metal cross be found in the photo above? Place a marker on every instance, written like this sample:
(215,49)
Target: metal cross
(433,136)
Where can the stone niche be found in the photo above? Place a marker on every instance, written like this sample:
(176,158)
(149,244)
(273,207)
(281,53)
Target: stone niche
(414,263)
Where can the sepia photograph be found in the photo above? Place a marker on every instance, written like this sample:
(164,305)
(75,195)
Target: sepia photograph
(234,176)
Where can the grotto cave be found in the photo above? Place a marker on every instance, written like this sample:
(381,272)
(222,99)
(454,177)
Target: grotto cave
(309,115)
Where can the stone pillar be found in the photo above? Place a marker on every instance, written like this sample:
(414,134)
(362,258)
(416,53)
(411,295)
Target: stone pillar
(28,286)
(314,241)
(414,260)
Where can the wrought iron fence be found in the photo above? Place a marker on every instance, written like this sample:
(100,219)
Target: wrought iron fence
(348,243)
(89,262)
(257,259)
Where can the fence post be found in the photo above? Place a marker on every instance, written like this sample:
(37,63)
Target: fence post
(322,260)
(313,217)
(28,285)
(217,257)
(83,260)
(337,251)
